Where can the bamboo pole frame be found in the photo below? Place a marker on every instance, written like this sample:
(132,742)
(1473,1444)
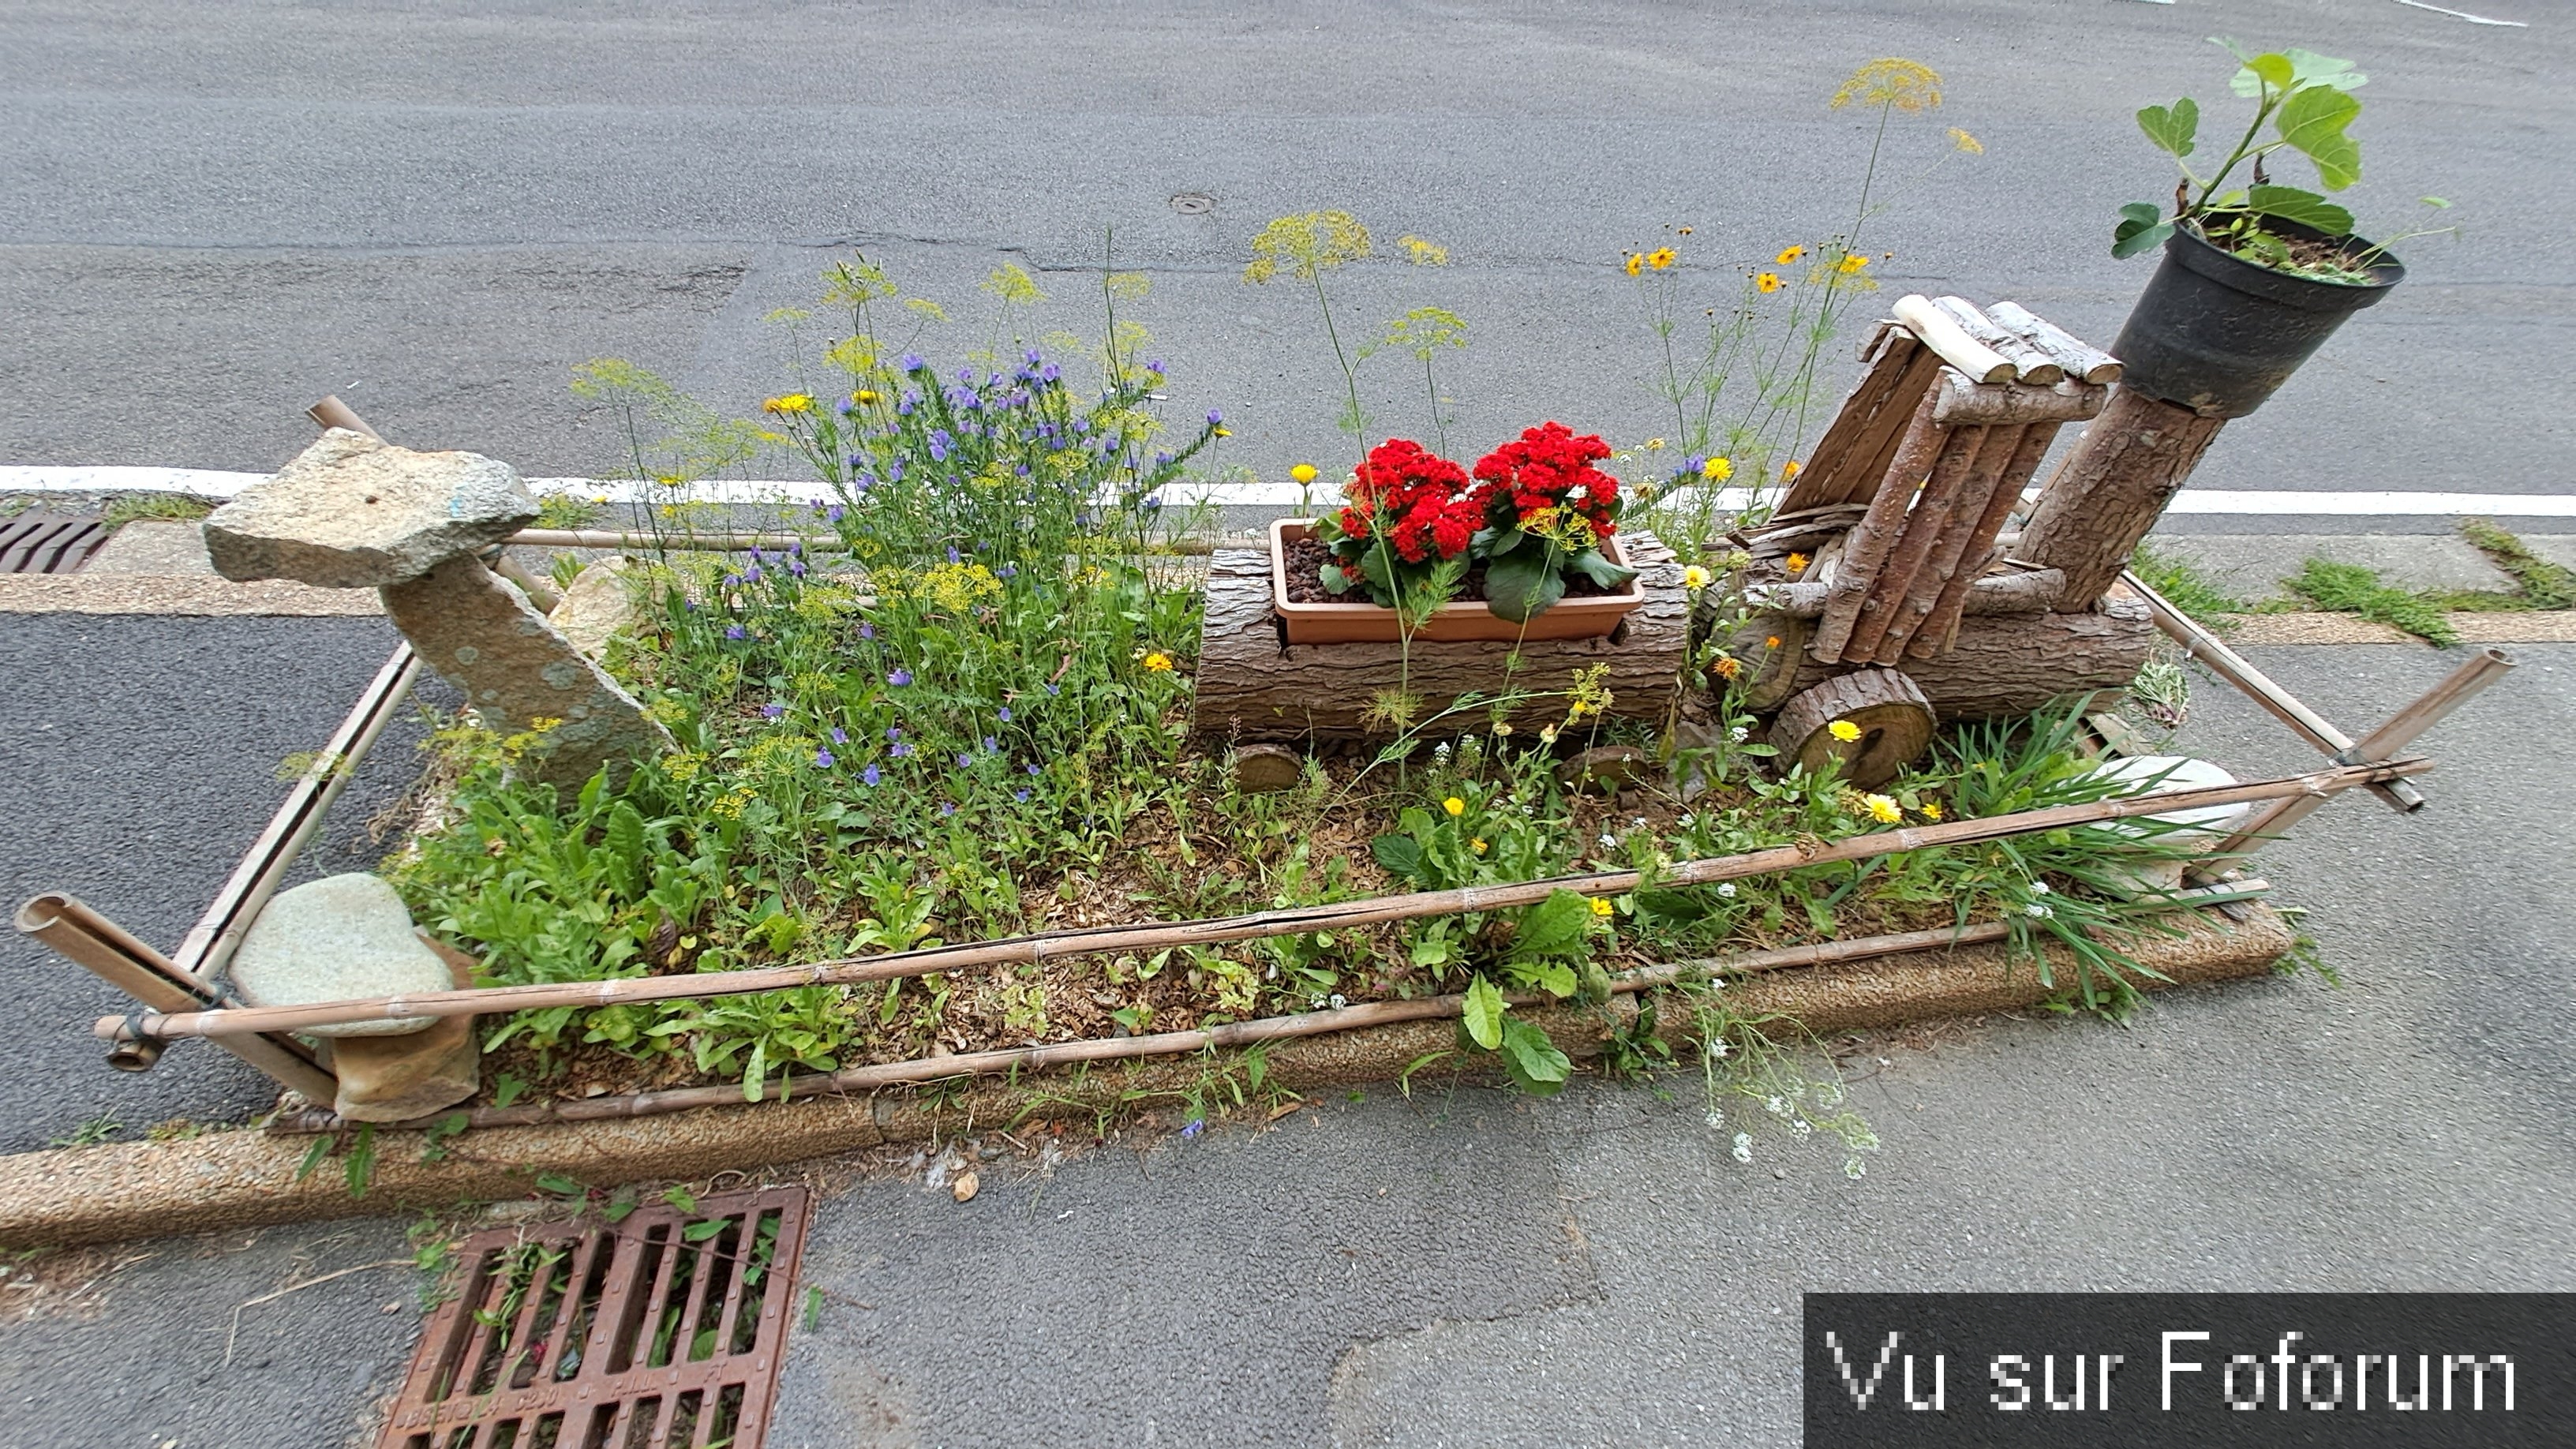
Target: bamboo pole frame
(1255,926)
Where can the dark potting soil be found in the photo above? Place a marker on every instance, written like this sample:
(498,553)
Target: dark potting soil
(1306,560)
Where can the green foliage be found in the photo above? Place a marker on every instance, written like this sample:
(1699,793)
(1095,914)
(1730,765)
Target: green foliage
(2353,589)
(2544,584)
(132,507)
(2185,587)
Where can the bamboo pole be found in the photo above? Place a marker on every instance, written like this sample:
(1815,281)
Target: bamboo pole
(712,542)
(1255,926)
(72,929)
(2198,643)
(2429,709)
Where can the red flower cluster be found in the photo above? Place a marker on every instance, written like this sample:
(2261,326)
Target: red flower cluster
(1549,467)
(1425,502)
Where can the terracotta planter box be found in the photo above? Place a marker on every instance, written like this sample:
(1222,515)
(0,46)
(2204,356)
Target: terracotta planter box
(1590,617)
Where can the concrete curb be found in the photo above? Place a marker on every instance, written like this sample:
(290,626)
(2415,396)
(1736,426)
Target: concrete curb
(74,1196)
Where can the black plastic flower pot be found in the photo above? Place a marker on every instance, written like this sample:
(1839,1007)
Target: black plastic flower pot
(2218,334)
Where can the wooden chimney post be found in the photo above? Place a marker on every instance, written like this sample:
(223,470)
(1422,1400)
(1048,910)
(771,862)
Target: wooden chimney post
(2111,489)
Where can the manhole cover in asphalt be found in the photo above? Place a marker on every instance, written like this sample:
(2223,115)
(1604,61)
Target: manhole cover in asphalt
(664,1330)
(48,543)
(1193,203)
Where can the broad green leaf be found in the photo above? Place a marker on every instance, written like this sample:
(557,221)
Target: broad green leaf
(1532,1060)
(1520,585)
(1398,855)
(1499,543)
(2312,121)
(1553,927)
(624,838)
(2268,69)
(2141,227)
(1484,1013)
(2172,128)
(2312,69)
(1553,977)
(1335,581)
(1601,570)
(2305,207)
(1373,566)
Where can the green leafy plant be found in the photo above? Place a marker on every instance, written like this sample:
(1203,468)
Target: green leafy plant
(2544,585)
(2307,100)
(2354,589)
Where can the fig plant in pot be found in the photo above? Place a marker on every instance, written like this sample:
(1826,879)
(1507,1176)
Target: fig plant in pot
(1524,548)
(2255,274)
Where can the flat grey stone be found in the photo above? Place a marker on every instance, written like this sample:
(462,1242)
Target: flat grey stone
(597,605)
(158,547)
(2252,565)
(334,939)
(2558,548)
(354,512)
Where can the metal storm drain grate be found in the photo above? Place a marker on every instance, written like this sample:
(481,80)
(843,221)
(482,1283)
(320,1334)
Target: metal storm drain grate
(48,543)
(664,1330)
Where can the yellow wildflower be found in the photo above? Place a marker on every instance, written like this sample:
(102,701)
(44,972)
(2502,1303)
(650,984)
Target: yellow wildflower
(1304,473)
(1767,282)
(1852,263)
(1882,809)
(1636,263)
(1652,445)
(1843,730)
(1905,85)
(1158,662)
(1796,563)
(794,402)
(1791,469)
(865,397)
(1717,470)
(1477,846)
(1694,578)
(1454,806)
(1931,809)
(1425,253)
(1601,905)
(1660,258)
(670,512)
(1307,245)
(1772,642)
(1220,430)
(1966,142)
(1727,666)
(1789,255)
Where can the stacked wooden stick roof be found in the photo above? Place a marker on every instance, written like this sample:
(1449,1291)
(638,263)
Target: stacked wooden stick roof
(1903,497)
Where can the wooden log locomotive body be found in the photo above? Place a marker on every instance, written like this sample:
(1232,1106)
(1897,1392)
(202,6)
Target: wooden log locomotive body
(1884,590)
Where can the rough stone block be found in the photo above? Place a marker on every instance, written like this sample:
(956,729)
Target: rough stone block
(335,939)
(397,1078)
(597,605)
(518,673)
(355,512)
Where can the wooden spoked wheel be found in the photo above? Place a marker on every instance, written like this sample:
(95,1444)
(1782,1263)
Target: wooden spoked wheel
(1888,721)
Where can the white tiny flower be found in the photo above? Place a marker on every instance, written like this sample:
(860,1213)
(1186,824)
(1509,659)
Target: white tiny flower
(1738,735)
(1802,1127)
(1718,1048)
(1687,820)
(2036,911)
(1776,1107)
(1716,1119)
(1637,824)
(1726,888)
(1853,1167)
(1340,1001)
(1609,842)
(1744,1147)
(2039,887)
(1440,751)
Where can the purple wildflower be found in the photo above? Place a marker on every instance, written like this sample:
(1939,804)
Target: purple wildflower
(990,745)
(1006,714)
(899,678)
(872,776)
(901,752)
(839,736)
(735,631)
(965,759)
(1194,1128)
(1033,769)
(1020,795)
(1215,418)
(947,807)
(867,631)
(822,759)
(894,732)
(912,362)
(772,710)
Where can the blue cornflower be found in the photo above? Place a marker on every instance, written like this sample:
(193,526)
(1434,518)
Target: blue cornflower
(840,736)
(1020,795)
(1215,418)
(1006,714)
(912,362)
(965,759)
(822,759)
(872,775)
(899,678)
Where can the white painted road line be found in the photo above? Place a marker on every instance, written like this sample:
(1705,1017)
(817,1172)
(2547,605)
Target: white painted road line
(207,483)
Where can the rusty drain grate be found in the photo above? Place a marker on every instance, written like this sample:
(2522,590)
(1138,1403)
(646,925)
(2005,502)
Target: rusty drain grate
(664,1330)
(48,543)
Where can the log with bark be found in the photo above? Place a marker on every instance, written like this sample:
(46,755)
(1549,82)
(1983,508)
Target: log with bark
(1253,687)
(2113,486)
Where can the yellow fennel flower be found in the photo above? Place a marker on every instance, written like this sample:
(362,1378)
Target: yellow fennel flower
(1306,245)
(1767,282)
(1304,473)
(1788,255)
(1882,809)
(1660,258)
(1843,730)
(1717,470)
(794,402)
(1429,253)
(1454,805)
(1158,662)
(1636,263)
(1796,563)
(1966,142)
(1905,85)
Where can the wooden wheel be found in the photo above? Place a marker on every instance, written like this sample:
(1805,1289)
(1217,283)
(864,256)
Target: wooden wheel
(1889,721)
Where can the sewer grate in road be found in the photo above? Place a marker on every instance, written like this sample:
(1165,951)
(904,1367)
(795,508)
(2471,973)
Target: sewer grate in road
(48,543)
(666,1329)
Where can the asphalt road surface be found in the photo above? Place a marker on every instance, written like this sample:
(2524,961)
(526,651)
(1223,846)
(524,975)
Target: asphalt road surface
(212,214)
